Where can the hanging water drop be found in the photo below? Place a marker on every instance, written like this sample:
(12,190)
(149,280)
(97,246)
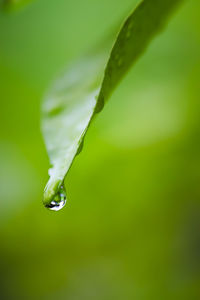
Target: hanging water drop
(58,201)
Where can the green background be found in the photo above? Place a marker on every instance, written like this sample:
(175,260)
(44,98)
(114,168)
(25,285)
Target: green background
(131,226)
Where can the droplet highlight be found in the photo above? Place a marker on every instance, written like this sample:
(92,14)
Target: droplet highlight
(58,201)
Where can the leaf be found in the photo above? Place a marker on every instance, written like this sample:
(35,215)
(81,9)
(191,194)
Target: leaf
(82,90)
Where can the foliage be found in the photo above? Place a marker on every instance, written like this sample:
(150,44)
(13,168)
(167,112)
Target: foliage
(83,89)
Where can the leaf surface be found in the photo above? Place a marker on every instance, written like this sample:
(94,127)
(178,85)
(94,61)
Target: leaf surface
(81,91)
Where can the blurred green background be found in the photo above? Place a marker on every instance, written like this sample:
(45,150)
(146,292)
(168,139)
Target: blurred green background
(131,226)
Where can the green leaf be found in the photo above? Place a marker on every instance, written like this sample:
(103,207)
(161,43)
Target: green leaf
(78,94)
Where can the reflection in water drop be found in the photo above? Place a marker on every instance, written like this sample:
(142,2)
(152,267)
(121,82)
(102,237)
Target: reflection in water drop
(59,200)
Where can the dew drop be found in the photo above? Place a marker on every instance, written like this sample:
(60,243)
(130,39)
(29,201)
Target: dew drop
(116,56)
(129,30)
(128,34)
(130,25)
(59,200)
(120,62)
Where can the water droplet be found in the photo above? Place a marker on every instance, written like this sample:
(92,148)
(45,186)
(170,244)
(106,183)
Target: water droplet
(120,62)
(128,34)
(116,56)
(58,201)
(130,25)
(129,30)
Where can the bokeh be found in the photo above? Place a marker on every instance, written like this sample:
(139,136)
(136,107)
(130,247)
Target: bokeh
(131,225)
